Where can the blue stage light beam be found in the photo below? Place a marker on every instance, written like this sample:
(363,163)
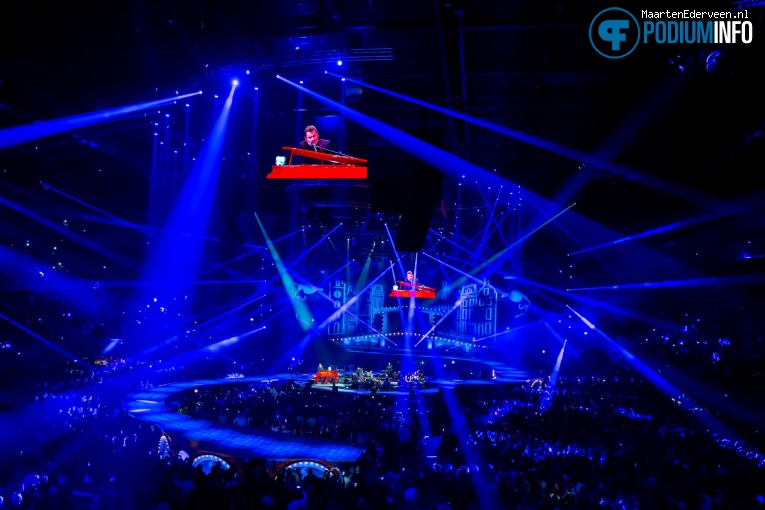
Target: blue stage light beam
(179,258)
(490,215)
(474,248)
(66,232)
(466,276)
(557,224)
(148,283)
(223,344)
(573,154)
(507,251)
(328,278)
(361,321)
(332,300)
(604,305)
(569,350)
(395,252)
(362,280)
(499,257)
(461,247)
(351,301)
(495,257)
(741,205)
(15,265)
(548,392)
(554,290)
(48,343)
(302,313)
(110,219)
(485,487)
(410,324)
(302,255)
(589,324)
(749,279)
(442,319)
(204,324)
(662,384)
(297,350)
(559,360)
(498,224)
(305,252)
(254,250)
(116,220)
(10,137)
(148,230)
(508,331)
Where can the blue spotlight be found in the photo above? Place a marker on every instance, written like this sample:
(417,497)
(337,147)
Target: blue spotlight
(234,82)
(247,71)
(748,279)
(339,62)
(589,324)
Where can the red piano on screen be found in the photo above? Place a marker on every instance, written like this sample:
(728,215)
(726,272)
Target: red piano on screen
(335,166)
(326,376)
(407,290)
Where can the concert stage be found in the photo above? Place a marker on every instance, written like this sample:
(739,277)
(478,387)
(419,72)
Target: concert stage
(154,406)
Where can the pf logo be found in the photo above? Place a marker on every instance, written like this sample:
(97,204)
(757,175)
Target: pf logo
(614,32)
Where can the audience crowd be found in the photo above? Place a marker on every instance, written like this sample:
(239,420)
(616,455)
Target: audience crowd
(606,441)
(590,437)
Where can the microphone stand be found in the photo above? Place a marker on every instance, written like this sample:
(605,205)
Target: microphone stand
(324,149)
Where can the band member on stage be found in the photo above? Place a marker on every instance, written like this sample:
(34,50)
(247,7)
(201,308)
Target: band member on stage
(389,370)
(321,368)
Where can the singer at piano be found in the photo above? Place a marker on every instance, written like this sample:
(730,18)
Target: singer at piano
(410,281)
(312,140)
(412,288)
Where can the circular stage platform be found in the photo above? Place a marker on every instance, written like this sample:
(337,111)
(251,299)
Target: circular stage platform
(152,406)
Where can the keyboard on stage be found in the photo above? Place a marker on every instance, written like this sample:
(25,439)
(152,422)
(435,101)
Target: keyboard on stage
(327,376)
(405,290)
(338,167)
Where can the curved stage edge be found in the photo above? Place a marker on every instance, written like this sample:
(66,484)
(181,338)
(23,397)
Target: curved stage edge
(247,442)
(241,442)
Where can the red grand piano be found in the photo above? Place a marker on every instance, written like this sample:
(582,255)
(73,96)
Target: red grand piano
(327,376)
(337,167)
(405,290)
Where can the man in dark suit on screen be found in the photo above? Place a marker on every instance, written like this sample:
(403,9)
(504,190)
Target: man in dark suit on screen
(312,140)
